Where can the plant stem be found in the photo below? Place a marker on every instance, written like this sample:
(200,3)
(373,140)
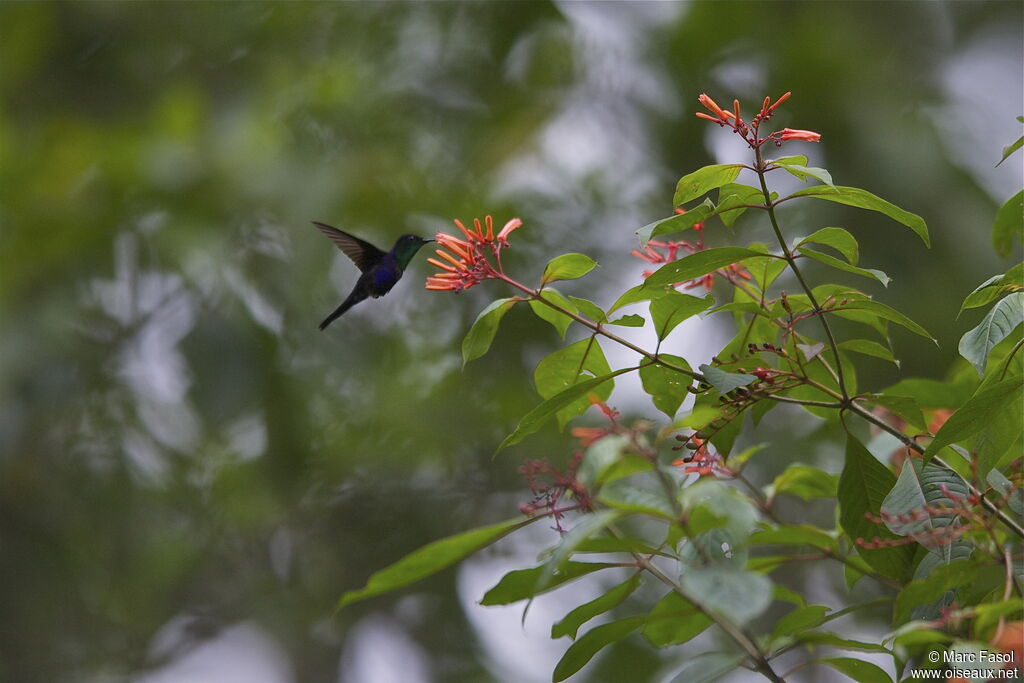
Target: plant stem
(760,170)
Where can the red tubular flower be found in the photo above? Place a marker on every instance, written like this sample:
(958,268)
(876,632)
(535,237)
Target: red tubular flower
(797,134)
(465,263)
(711,106)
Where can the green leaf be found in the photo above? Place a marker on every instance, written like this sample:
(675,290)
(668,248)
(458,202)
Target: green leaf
(600,458)
(589,309)
(805,482)
(978,412)
(540,415)
(566,367)
(724,381)
(858,669)
(854,196)
(995,287)
(481,334)
(636,294)
(571,622)
(731,199)
(917,488)
(867,347)
(673,621)
(642,501)
(1005,488)
(1011,148)
(829,638)
(567,267)
(560,321)
(584,649)
(626,544)
(837,238)
(833,262)
(904,406)
(704,180)
(857,303)
(1009,224)
(431,559)
(931,394)
(696,265)
(667,387)
(584,529)
(632,320)
(863,486)
(521,584)
(676,223)
(708,667)
(794,534)
(804,172)
(942,579)
(800,619)
(673,308)
(1001,321)
(734,593)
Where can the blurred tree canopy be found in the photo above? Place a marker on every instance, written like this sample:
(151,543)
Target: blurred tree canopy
(180,445)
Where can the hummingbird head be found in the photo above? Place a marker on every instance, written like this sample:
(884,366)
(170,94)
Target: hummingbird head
(407,246)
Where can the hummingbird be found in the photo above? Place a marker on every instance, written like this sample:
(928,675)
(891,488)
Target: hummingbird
(380,270)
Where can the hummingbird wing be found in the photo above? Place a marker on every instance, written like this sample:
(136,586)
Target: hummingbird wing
(362,253)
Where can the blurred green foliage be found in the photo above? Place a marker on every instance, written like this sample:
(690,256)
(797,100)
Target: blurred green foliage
(177,438)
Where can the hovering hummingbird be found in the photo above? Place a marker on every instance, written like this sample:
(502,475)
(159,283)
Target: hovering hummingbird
(380,270)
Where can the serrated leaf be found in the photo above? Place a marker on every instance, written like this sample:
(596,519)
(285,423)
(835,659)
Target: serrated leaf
(724,381)
(567,267)
(673,308)
(481,334)
(632,320)
(833,262)
(854,196)
(521,584)
(667,387)
(858,669)
(704,180)
(539,416)
(863,486)
(1009,224)
(584,649)
(589,309)
(431,559)
(978,412)
(698,264)
(559,320)
(673,621)
(997,325)
(837,238)
(571,622)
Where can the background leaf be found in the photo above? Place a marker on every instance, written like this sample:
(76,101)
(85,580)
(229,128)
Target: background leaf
(997,325)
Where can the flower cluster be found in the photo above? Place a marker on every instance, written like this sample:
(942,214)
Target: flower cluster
(748,131)
(702,460)
(466,262)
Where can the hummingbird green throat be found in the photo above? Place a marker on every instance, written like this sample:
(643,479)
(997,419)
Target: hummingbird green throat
(381,270)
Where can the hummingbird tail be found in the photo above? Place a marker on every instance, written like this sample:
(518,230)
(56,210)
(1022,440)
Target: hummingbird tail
(351,301)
